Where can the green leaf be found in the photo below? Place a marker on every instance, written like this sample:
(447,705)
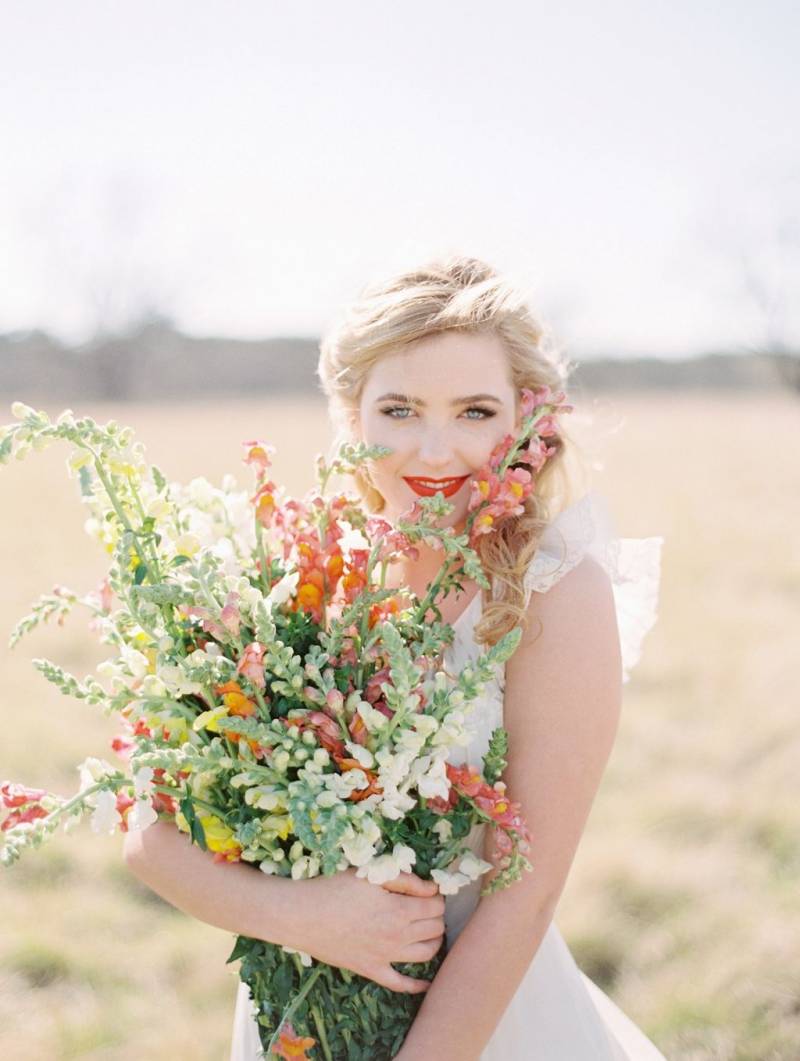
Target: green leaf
(140,574)
(196,830)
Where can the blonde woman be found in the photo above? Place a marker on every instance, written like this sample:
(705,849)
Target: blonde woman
(431,364)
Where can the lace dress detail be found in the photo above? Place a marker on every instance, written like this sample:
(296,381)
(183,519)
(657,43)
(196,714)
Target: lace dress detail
(633,564)
(557,1013)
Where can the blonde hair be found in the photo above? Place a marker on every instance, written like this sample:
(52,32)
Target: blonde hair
(456,294)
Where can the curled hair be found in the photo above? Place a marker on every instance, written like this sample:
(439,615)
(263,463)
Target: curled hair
(467,295)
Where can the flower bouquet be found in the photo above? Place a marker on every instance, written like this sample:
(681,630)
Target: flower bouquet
(280,704)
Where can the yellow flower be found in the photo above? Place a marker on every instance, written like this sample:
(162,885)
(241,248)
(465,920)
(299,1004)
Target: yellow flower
(219,837)
(209,719)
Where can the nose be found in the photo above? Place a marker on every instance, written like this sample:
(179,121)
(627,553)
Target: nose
(436,450)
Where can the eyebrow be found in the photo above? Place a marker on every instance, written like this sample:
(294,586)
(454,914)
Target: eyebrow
(456,401)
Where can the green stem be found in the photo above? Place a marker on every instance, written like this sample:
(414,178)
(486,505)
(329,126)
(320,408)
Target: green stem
(291,1009)
(323,1039)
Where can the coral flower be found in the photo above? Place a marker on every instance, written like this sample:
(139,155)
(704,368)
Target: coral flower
(291,1046)
(251,665)
(264,502)
(259,455)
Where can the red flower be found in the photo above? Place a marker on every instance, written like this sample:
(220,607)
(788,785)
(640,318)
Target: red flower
(14,795)
(124,804)
(29,814)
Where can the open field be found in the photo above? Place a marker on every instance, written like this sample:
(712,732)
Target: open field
(683,903)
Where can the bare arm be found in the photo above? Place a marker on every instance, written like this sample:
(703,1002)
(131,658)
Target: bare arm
(232,896)
(342,920)
(561,710)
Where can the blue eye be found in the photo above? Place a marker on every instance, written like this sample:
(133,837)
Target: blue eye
(485,414)
(397,409)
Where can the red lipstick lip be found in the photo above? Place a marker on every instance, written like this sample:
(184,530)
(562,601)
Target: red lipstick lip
(419,486)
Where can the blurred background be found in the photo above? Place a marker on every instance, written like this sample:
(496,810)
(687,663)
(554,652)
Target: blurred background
(191,194)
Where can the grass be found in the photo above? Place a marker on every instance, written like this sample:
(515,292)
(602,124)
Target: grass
(683,900)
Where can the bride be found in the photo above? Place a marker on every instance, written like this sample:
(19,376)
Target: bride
(432,364)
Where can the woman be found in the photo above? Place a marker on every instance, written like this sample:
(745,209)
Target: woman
(432,364)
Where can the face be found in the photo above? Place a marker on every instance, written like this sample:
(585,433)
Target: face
(441,406)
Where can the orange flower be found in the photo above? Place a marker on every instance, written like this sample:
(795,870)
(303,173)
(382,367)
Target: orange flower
(292,1046)
(235,700)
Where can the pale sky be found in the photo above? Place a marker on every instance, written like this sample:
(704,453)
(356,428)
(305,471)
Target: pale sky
(246,167)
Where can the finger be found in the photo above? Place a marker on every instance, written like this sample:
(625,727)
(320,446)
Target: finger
(421,952)
(411,884)
(396,981)
(427,928)
(416,909)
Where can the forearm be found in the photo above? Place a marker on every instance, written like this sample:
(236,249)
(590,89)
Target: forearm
(235,897)
(476,981)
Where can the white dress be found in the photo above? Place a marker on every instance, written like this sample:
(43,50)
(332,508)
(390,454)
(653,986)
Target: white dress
(557,1013)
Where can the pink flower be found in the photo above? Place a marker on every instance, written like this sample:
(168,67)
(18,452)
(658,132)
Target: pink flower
(251,665)
(231,619)
(259,455)
(122,746)
(14,795)
(209,624)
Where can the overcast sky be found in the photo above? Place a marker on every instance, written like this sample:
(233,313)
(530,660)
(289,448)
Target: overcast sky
(246,167)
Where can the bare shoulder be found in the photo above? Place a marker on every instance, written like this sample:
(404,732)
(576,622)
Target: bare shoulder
(570,648)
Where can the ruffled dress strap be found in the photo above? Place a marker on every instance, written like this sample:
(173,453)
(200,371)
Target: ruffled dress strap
(633,565)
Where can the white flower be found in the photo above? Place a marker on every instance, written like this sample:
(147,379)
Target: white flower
(393,768)
(105,817)
(425,725)
(343,785)
(283,589)
(449,883)
(394,805)
(453,731)
(143,782)
(152,686)
(187,544)
(201,492)
(387,867)
(359,847)
(137,663)
(158,508)
(473,866)
(177,682)
(351,539)
(434,782)
(93,770)
(19,410)
(361,754)
(443,829)
(373,719)
(469,868)
(141,815)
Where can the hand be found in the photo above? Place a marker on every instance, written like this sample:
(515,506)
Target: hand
(364,927)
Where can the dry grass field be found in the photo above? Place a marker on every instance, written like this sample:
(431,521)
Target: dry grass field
(683,903)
